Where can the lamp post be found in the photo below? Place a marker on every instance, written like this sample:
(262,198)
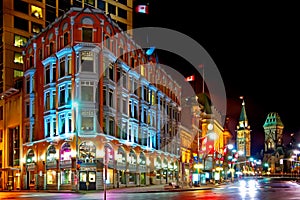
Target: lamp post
(75,106)
(105,173)
(105,163)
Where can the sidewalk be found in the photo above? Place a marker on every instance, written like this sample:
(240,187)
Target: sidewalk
(159,188)
(141,189)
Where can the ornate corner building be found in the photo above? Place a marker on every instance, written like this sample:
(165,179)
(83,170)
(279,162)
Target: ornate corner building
(95,104)
(87,94)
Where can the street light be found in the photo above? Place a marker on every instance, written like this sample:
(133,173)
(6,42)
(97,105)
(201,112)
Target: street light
(75,106)
(105,163)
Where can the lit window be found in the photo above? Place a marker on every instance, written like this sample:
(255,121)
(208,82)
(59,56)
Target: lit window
(36,28)
(18,58)
(142,70)
(90,2)
(20,41)
(18,73)
(87,61)
(36,12)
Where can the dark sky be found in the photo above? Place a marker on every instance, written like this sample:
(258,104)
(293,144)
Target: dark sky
(256,49)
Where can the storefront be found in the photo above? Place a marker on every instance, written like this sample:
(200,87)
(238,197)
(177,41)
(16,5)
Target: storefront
(51,168)
(142,169)
(31,175)
(132,168)
(158,170)
(65,166)
(121,167)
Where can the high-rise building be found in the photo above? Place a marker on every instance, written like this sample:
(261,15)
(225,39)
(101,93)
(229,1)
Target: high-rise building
(20,20)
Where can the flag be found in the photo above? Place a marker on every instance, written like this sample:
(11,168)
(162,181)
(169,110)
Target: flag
(142,9)
(190,78)
(210,145)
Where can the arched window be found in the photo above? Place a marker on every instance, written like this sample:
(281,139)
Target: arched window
(87,152)
(51,153)
(30,158)
(65,152)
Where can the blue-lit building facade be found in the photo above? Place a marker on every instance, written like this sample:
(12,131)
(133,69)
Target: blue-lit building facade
(96,109)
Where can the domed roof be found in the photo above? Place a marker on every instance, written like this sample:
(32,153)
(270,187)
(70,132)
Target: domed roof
(273,119)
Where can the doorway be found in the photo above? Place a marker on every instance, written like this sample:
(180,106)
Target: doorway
(87,180)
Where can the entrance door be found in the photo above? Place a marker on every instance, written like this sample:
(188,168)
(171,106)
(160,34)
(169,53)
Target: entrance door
(87,180)
(82,180)
(92,180)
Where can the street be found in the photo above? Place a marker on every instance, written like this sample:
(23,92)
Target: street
(241,190)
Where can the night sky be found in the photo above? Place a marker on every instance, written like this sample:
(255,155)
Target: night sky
(254,46)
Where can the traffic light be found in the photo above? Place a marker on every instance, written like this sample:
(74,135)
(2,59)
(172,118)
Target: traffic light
(78,166)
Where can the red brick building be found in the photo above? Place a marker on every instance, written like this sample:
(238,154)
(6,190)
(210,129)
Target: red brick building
(93,100)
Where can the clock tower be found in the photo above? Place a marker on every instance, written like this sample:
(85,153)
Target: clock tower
(243,138)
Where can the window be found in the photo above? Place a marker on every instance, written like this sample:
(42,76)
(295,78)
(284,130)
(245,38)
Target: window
(62,67)
(101,4)
(18,73)
(87,34)
(122,13)
(124,2)
(1,135)
(66,176)
(111,72)
(27,80)
(66,38)
(51,177)
(53,72)
(51,48)
(87,91)
(111,126)
(111,98)
(47,127)
(47,101)
(27,109)
(87,61)
(18,58)
(62,95)
(47,74)
(1,113)
(62,124)
(90,2)
(36,28)
(87,123)
(125,106)
(69,67)
(111,9)
(36,12)
(21,6)
(20,41)
(124,77)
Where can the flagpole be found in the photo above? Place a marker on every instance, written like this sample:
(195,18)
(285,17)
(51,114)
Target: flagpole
(203,90)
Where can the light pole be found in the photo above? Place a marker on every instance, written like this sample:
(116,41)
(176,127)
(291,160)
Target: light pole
(105,173)
(75,106)
(105,163)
